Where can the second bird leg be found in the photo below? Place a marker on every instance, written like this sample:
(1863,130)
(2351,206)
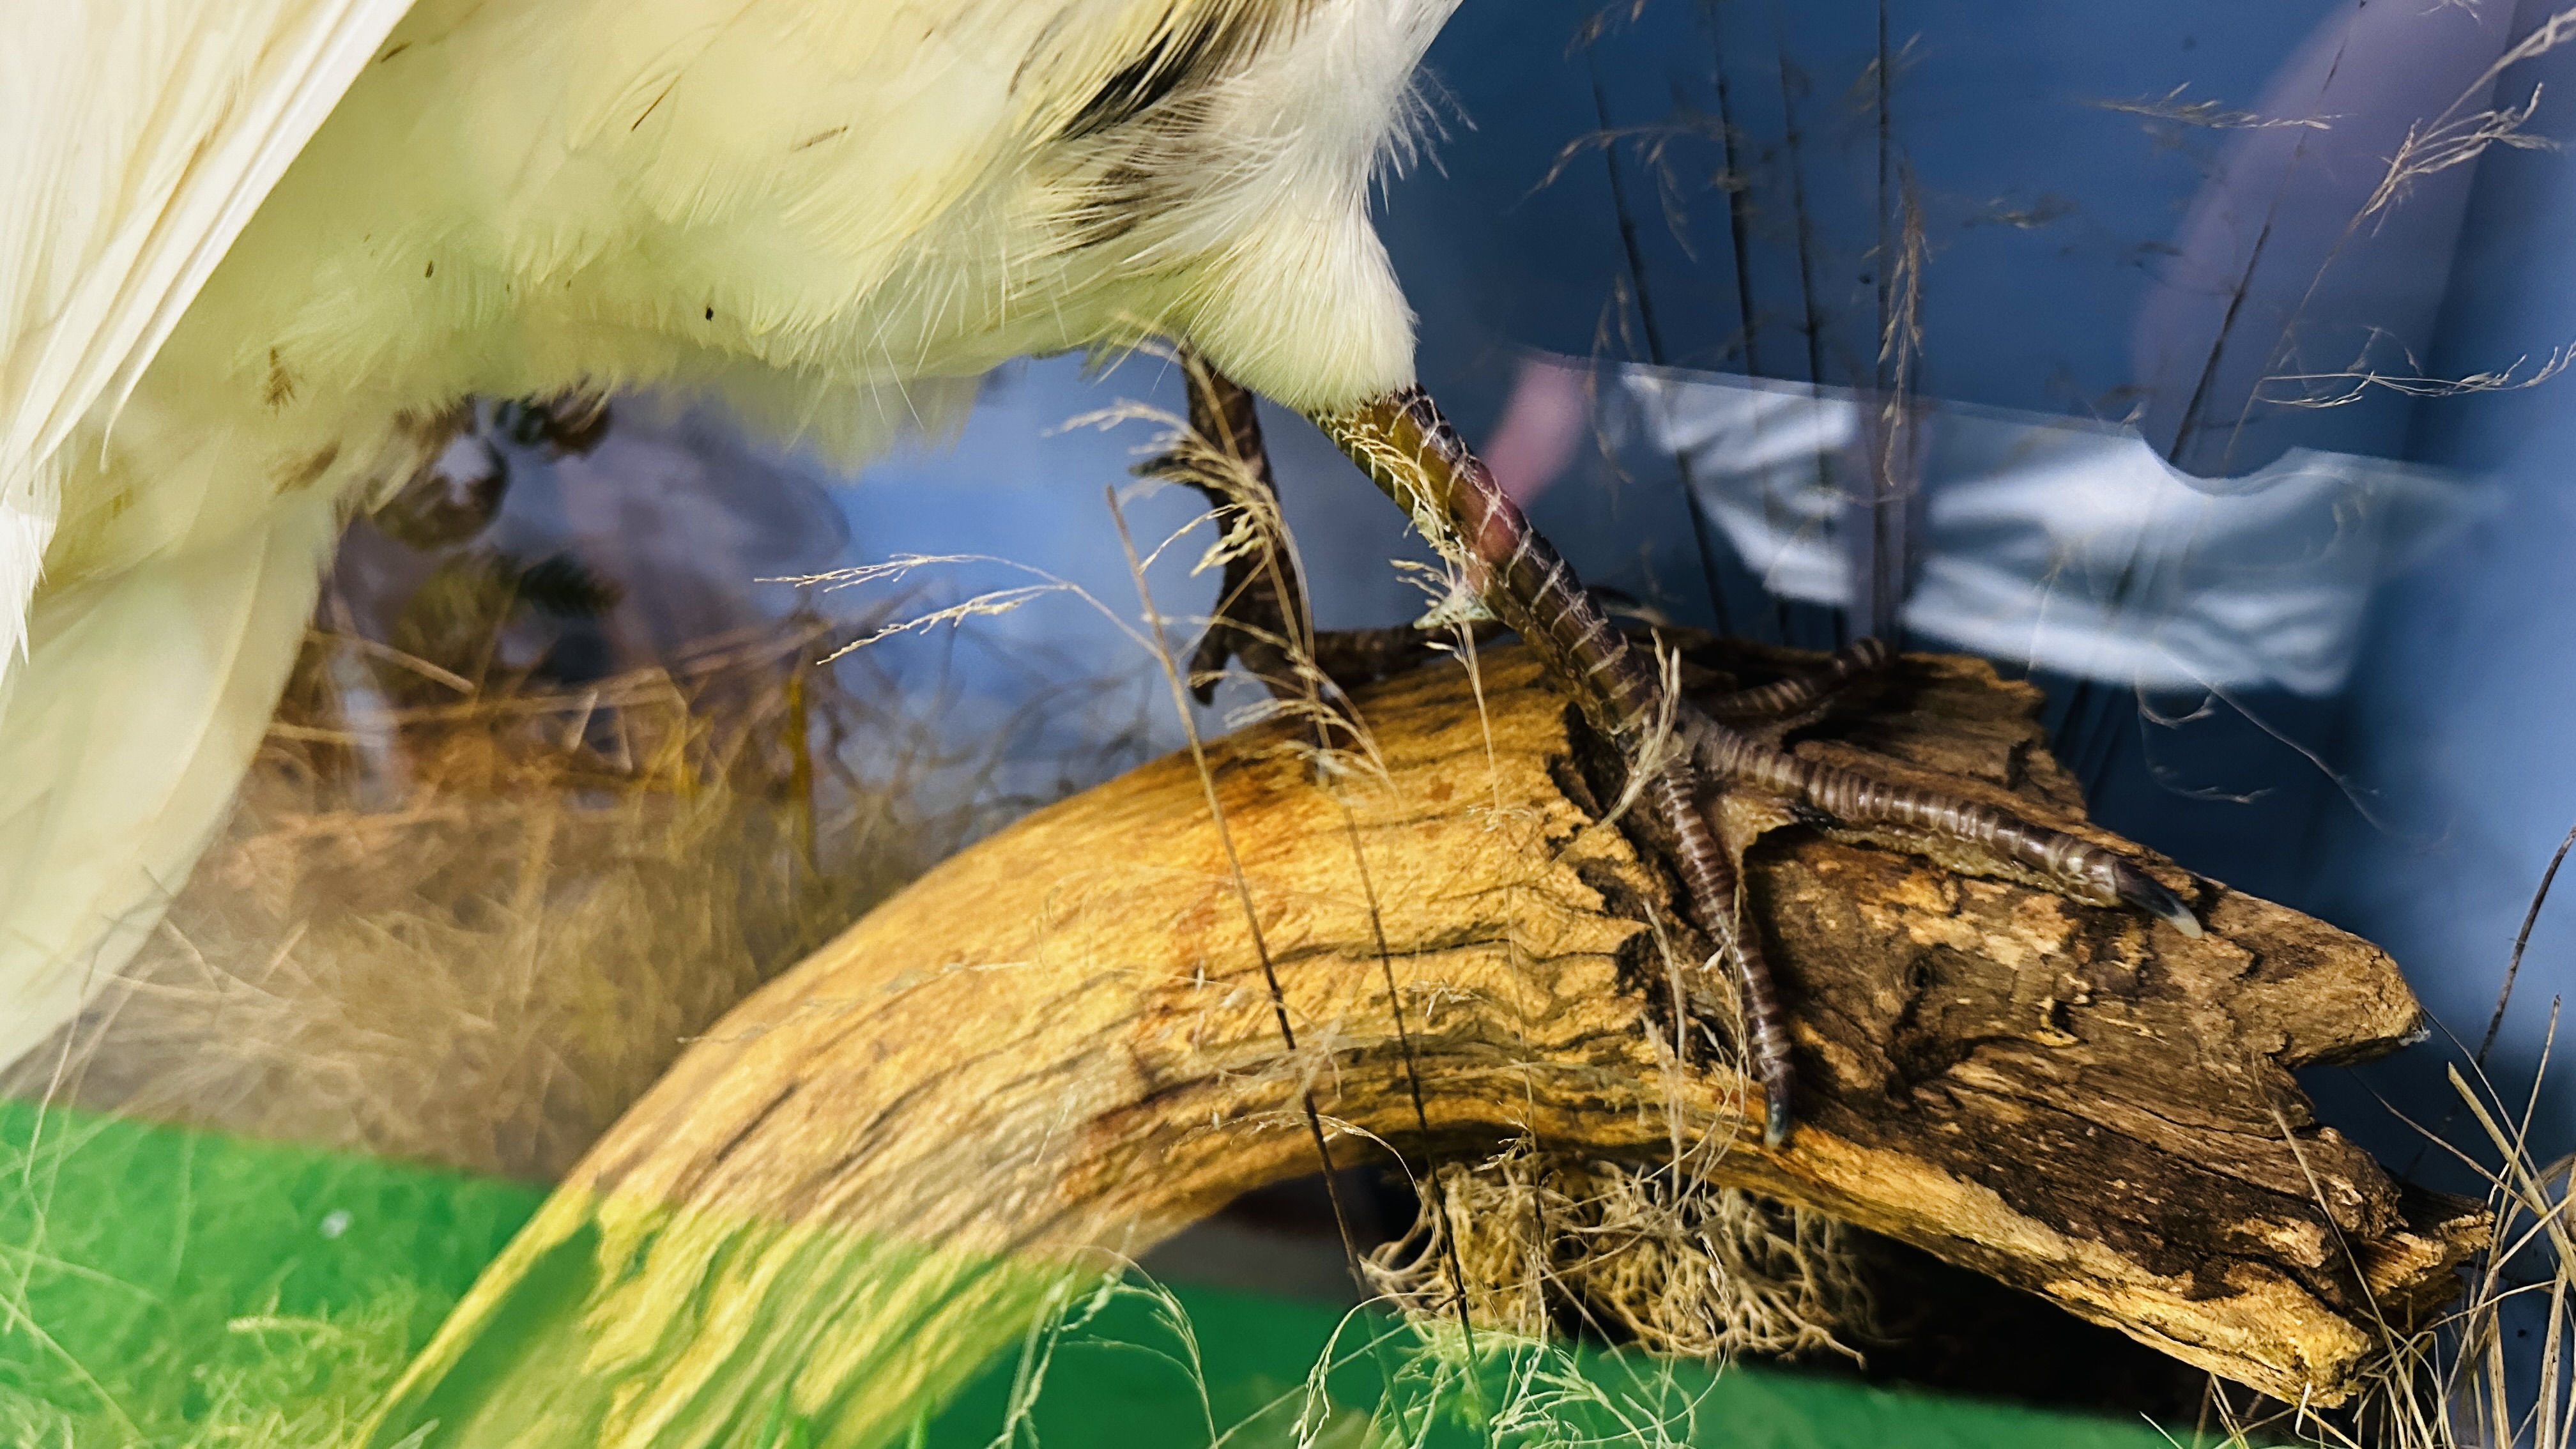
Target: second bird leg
(1402,442)
(1261,618)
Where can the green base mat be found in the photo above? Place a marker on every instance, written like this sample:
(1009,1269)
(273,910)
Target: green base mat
(173,1287)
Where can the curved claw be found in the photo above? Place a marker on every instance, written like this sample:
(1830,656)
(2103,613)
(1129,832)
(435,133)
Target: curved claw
(1775,1115)
(2150,895)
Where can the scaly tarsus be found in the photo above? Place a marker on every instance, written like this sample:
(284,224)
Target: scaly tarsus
(1409,450)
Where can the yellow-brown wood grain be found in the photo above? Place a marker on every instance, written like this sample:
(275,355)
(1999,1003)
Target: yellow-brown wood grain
(1063,1041)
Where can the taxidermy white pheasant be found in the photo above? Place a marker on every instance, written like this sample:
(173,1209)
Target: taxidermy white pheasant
(257,253)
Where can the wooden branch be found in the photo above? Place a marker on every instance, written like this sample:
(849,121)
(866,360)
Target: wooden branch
(1063,1041)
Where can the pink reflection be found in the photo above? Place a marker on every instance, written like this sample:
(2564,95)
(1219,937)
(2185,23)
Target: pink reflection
(1541,429)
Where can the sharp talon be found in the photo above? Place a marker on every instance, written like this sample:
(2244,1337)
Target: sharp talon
(1775,1119)
(2150,895)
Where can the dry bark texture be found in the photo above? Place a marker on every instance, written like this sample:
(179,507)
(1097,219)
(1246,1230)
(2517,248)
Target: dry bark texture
(1064,1039)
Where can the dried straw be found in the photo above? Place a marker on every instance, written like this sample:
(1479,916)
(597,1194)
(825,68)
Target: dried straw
(1549,1243)
(469,923)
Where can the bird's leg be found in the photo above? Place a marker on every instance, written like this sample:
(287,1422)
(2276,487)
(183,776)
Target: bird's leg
(1804,691)
(1260,616)
(1404,445)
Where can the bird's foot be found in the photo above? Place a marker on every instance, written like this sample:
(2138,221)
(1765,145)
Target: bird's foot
(1260,618)
(1717,749)
(1732,741)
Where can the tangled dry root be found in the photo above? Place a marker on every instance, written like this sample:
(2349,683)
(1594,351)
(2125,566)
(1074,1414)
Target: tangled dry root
(1551,1243)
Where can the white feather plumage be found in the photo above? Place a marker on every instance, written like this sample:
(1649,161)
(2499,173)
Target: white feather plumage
(136,141)
(833,215)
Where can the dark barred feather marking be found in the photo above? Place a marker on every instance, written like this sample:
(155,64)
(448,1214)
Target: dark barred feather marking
(1142,124)
(1188,52)
(1201,48)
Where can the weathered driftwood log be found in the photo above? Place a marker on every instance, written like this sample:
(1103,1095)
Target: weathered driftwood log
(1066,1040)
